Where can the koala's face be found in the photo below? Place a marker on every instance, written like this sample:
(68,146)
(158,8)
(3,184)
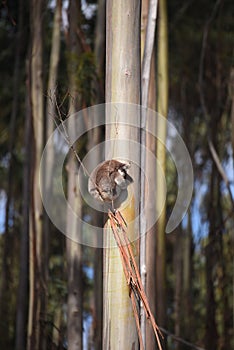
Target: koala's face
(108,180)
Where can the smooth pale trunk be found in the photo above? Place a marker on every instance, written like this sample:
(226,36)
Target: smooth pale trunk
(122,85)
(162,108)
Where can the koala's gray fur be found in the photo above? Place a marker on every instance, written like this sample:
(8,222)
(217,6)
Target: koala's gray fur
(108,180)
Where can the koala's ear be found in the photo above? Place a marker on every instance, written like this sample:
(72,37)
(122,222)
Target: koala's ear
(124,164)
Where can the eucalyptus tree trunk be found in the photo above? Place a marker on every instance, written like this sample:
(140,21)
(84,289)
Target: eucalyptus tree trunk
(37,291)
(211,332)
(232,107)
(22,301)
(99,49)
(187,278)
(73,249)
(95,137)
(162,109)
(122,85)
(187,256)
(74,263)
(6,271)
(177,262)
(51,99)
(147,248)
(150,171)
(49,127)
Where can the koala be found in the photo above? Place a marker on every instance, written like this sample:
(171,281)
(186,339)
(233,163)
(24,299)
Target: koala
(108,179)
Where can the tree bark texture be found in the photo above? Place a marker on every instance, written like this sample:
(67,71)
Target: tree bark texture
(162,109)
(122,85)
(73,249)
(37,291)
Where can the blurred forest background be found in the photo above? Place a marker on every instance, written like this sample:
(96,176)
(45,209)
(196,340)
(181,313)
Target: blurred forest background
(55,51)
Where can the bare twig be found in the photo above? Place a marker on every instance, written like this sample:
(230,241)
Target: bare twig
(220,169)
(180,340)
(65,134)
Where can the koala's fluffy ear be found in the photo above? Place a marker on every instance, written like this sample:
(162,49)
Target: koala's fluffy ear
(124,164)
(123,180)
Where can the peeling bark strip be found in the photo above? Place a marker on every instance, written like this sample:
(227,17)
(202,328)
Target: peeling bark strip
(132,274)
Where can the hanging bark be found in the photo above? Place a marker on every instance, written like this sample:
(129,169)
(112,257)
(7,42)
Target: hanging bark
(122,84)
(162,108)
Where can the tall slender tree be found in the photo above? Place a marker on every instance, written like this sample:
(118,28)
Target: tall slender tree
(73,249)
(22,309)
(162,109)
(37,291)
(6,259)
(122,85)
(95,137)
(149,15)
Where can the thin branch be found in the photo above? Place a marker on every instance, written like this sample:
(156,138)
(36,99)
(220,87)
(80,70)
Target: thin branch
(65,133)
(220,169)
(180,340)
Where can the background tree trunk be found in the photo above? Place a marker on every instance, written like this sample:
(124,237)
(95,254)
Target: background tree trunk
(6,275)
(74,265)
(122,84)
(147,242)
(22,309)
(187,257)
(37,291)
(73,249)
(95,137)
(162,109)
(210,253)
(177,260)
